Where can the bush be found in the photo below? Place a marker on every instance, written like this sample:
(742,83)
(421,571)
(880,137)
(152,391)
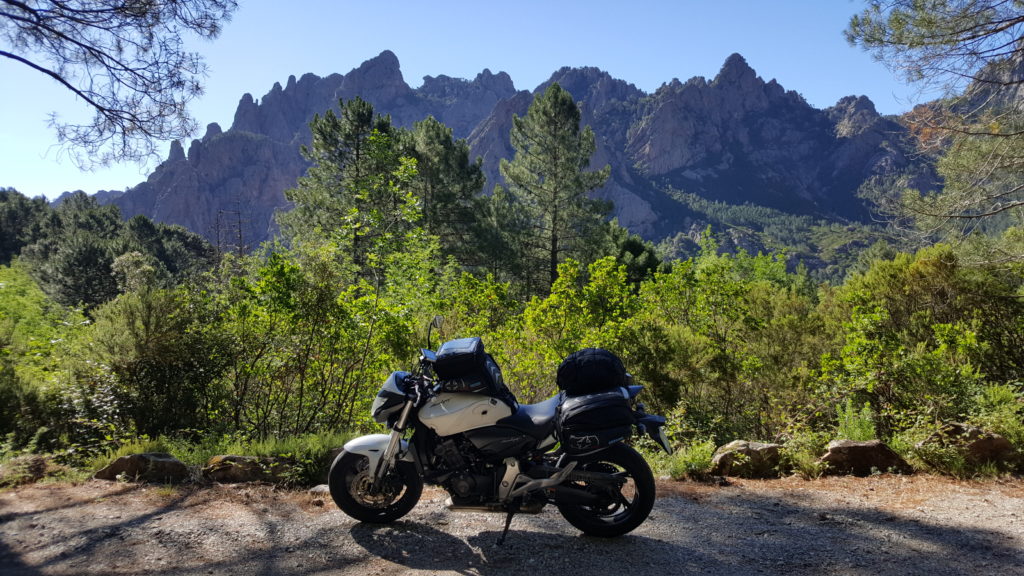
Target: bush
(856,425)
(693,461)
(30,468)
(1000,409)
(801,451)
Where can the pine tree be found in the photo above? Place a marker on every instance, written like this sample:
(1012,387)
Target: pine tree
(973,53)
(448,186)
(352,192)
(548,177)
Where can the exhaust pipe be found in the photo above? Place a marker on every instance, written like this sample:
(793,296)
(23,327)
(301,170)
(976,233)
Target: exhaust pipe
(570,495)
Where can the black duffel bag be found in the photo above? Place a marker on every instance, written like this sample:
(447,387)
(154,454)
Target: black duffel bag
(590,371)
(594,421)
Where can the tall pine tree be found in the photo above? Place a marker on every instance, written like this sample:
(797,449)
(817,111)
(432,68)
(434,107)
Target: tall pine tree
(448,186)
(353,192)
(548,177)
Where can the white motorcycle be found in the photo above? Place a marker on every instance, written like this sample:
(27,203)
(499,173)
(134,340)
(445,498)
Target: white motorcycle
(467,434)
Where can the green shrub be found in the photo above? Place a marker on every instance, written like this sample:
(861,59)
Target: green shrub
(306,454)
(693,461)
(801,451)
(30,468)
(856,425)
(1000,409)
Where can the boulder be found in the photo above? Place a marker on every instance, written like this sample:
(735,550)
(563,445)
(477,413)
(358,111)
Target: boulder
(329,461)
(863,458)
(146,467)
(746,459)
(233,469)
(975,445)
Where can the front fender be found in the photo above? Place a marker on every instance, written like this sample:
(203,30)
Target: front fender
(372,446)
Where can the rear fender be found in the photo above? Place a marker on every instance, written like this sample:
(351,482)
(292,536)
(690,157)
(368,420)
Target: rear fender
(373,445)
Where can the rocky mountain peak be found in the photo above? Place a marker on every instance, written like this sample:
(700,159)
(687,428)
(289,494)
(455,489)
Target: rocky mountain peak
(592,85)
(177,153)
(498,83)
(382,73)
(736,138)
(737,73)
(212,130)
(853,115)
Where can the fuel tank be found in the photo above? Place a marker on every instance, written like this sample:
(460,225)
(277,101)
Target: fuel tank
(454,413)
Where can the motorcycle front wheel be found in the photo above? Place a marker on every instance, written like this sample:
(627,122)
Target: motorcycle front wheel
(625,496)
(351,483)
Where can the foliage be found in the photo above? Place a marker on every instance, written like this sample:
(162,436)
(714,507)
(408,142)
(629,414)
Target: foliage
(293,340)
(30,468)
(126,61)
(829,249)
(163,359)
(307,455)
(548,178)
(307,347)
(75,245)
(692,461)
(999,408)
(20,219)
(972,52)
(854,424)
(34,337)
(447,186)
(802,451)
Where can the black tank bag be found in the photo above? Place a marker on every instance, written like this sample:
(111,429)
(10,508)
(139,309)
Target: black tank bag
(463,366)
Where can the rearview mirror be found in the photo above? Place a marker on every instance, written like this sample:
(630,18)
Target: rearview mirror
(435,324)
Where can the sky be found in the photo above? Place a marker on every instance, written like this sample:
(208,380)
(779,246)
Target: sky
(799,43)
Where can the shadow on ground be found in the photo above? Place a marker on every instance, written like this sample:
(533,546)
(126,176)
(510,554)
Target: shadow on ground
(733,532)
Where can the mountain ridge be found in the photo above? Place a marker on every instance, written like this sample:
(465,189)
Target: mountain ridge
(736,138)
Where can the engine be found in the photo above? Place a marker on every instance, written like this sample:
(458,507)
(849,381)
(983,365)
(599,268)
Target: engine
(463,472)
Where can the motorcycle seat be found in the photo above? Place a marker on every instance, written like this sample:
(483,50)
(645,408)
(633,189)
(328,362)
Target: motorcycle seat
(536,420)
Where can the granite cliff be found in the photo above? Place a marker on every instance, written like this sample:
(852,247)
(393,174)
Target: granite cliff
(735,138)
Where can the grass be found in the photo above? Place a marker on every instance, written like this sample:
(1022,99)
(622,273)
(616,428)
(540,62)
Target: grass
(693,461)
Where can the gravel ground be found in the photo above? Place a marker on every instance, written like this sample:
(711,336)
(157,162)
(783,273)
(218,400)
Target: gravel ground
(879,525)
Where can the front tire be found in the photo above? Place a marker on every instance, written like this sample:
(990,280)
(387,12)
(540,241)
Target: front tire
(351,482)
(623,503)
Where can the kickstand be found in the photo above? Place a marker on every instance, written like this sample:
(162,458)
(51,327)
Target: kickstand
(508,522)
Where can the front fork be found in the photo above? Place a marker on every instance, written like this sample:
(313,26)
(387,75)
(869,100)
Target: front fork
(388,458)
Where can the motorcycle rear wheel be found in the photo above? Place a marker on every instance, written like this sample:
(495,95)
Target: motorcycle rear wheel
(350,481)
(623,505)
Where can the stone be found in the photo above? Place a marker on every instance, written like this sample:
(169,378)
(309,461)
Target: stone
(746,459)
(329,461)
(863,458)
(977,446)
(233,469)
(146,467)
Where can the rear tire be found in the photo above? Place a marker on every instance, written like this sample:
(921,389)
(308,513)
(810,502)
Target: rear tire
(351,481)
(623,505)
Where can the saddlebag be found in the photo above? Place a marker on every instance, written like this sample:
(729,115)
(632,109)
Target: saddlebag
(594,421)
(463,366)
(590,371)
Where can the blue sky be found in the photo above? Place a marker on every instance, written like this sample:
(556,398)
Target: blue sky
(797,42)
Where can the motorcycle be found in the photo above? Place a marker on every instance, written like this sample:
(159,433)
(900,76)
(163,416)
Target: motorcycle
(469,435)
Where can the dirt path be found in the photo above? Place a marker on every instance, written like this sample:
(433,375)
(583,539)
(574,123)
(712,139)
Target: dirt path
(880,525)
